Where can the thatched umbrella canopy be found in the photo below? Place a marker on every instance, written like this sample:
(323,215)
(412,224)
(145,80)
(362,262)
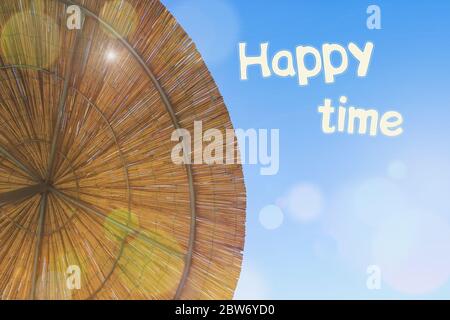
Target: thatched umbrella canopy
(87,183)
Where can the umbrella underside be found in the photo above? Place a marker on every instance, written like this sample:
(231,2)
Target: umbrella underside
(91,204)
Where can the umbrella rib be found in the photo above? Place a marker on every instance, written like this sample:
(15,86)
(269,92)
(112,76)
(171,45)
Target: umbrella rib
(20,194)
(170,110)
(11,158)
(57,128)
(86,207)
(61,108)
(40,236)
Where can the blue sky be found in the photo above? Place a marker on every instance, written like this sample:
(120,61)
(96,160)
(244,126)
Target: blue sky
(374,201)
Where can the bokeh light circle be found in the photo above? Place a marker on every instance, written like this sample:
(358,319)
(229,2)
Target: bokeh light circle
(26,31)
(271,217)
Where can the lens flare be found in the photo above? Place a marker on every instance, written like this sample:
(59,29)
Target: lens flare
(30,39)
(271,217)
(121,16)
(153,272)
(114,222)
(413,252)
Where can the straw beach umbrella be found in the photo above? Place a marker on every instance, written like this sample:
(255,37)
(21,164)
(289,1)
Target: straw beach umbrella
(91,204)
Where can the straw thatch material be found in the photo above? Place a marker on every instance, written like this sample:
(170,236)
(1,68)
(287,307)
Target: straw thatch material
(86,176)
